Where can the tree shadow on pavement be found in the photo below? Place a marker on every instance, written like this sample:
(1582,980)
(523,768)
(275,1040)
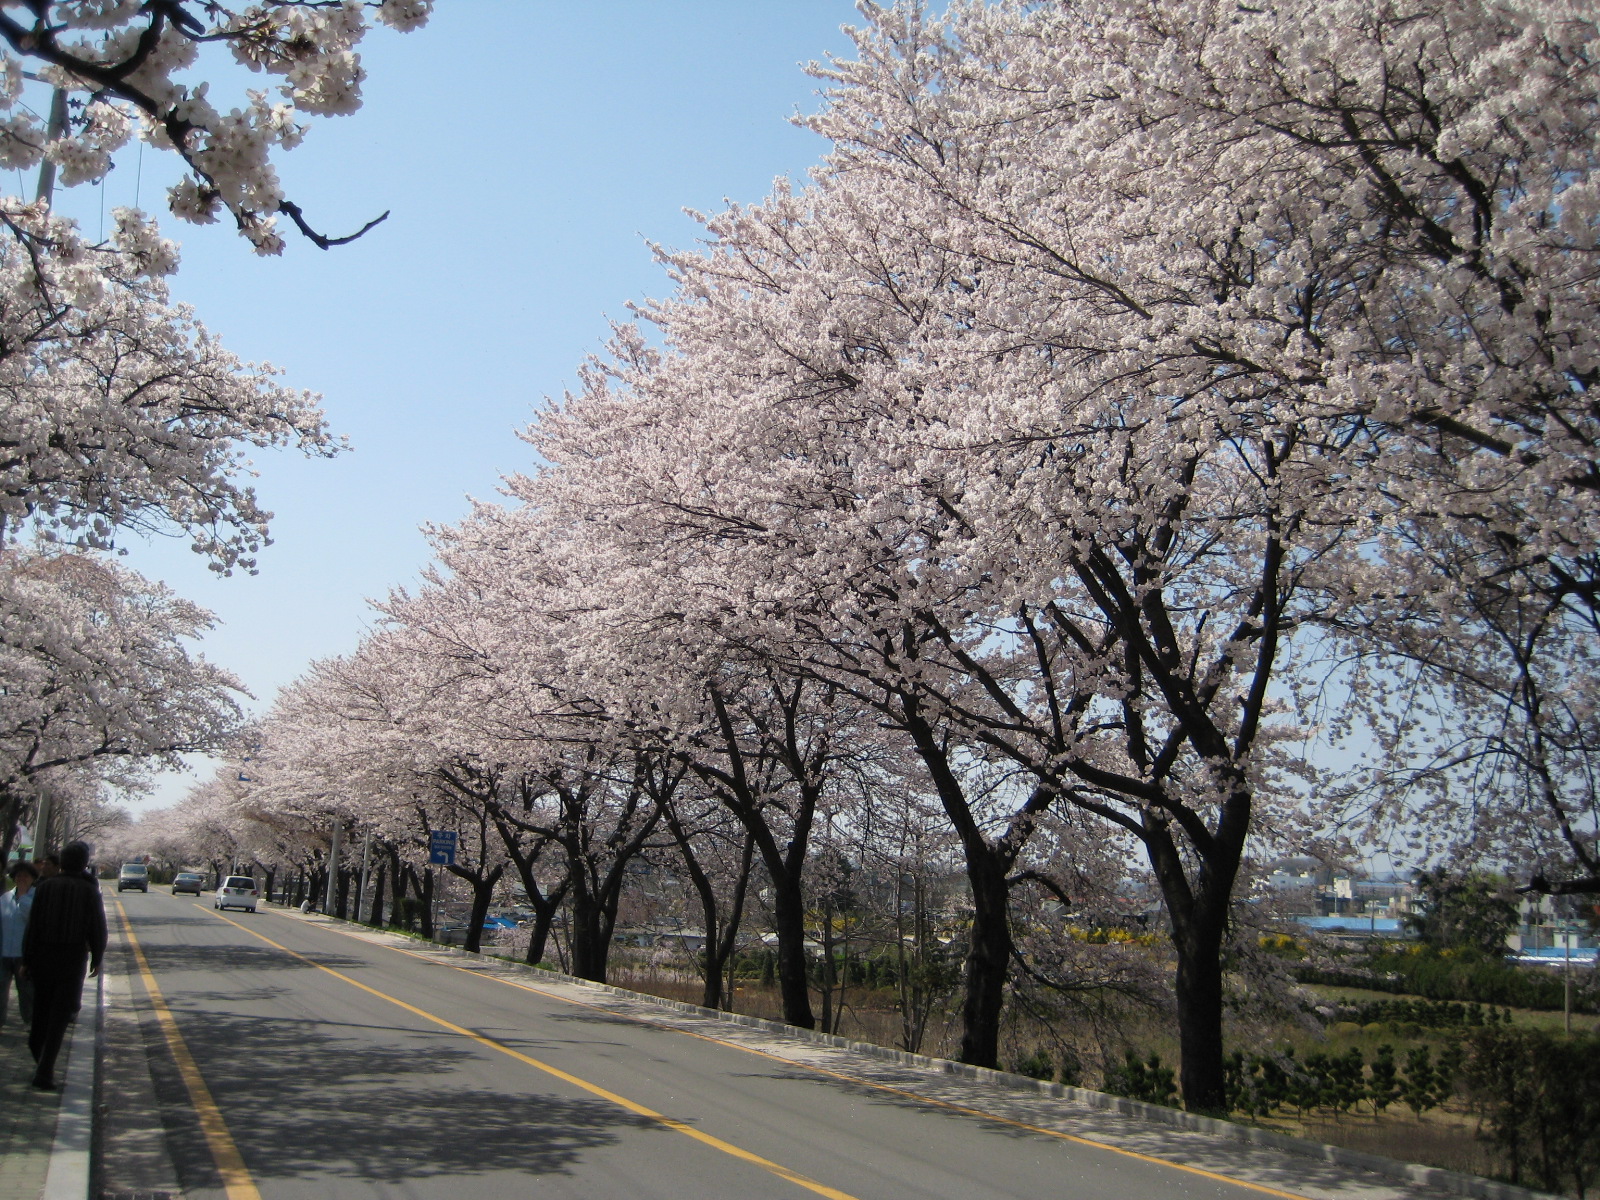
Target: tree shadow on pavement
(229,958)
(304,1103)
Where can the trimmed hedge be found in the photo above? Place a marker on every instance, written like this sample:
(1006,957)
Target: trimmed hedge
(1446,975)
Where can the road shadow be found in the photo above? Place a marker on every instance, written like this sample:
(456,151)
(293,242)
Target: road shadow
(239,957)
(305,1102)
(143,921)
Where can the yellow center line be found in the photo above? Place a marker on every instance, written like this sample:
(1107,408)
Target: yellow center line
(782,1172)
(236,1180)
(855,1079)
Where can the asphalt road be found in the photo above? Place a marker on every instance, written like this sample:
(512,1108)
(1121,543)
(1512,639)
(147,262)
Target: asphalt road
(302,1061)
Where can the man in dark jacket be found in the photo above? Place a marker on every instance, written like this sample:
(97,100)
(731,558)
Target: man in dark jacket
(66,934)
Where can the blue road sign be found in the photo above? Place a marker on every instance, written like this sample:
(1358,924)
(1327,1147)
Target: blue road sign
(442,847)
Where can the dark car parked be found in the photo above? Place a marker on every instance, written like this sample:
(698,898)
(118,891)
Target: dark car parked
(133,875)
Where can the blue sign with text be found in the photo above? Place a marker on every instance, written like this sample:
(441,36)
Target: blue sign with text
(442,847)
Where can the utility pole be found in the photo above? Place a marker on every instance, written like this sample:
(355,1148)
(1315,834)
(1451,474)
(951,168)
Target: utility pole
(366,870)
(329,902)
(55,129)
(41,824)
(1566,978)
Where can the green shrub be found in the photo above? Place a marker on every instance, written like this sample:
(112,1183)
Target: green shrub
(1036,1065)
(1145,1080)
(1421,1090)
(1383,1088)
(1449,975)
(1258,1085)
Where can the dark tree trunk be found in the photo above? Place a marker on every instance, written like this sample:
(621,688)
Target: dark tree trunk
(720,953)
(342,908)
(827,974)
(375,913)
(1199,994)
(539,936)
(597,866)
(425,917)
(482,894)
(988,961)
(545,905)
(784,864)
(721,932)
(989,954)
(789,923)
(10,818)
(588,945)
(272,875)
(1197,913)
(397,894)
(788,912)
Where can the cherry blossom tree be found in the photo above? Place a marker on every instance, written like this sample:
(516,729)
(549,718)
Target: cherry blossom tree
(124,59)
(531,737)
(100,674)
(770,745)
(122,412)
(1014,612)
(340,747)
(1394,208)
(1122,368)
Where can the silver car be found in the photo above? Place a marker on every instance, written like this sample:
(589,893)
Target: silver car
(237,891)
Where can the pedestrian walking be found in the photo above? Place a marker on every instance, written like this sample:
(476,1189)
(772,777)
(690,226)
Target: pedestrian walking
(14,908)
(66,934)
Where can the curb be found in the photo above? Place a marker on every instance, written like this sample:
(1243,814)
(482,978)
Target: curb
(70,1175)
(1453,1182)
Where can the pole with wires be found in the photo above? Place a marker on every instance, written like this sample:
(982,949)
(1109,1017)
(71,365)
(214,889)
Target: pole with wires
(56,128)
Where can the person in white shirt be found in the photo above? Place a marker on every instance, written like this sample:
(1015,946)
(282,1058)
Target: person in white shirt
(14,908)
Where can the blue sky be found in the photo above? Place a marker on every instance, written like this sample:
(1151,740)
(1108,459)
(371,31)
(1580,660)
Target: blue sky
(528,151)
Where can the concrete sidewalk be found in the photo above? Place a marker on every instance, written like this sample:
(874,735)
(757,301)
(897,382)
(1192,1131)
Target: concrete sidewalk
(45,1137)
(27,1119)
